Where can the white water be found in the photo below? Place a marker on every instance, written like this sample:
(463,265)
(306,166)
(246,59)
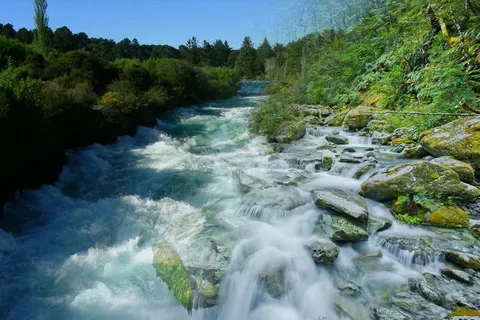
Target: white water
(83,250)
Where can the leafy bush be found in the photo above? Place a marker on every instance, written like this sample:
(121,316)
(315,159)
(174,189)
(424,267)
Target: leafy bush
(267,118)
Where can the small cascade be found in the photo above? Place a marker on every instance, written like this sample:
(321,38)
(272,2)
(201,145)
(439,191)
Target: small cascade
(407,257)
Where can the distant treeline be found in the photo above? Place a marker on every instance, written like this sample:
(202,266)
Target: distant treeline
(248,60)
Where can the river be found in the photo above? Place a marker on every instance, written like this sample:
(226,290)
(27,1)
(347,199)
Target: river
(82,248)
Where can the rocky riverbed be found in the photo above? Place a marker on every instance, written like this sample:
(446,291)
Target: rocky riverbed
(338,217)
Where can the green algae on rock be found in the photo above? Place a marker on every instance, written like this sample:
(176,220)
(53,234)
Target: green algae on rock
(459,139)
(169,267)
(359,117)
(420,178)
(464,170)
(448,217)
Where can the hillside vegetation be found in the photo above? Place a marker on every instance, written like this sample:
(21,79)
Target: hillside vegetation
(401,56)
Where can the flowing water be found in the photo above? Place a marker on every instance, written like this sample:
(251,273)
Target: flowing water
(82,248)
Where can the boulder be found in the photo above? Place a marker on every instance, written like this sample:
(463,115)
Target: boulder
(363,170)
(289,131)
(463,260)
(420,178)
(458,275)
(378,224)
(336,119)
(464,170)
(169,267)
(382,138)
(280,198)
(347,203)
(338,140)
(448,217)
(413,152)
(339,229)
(323,251)
(245,182)
(459,139)
(359,117)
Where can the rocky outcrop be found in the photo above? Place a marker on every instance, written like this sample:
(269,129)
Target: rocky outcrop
(359,117)
(343,202)
(464,170)
(459,139)
(421,178)
(336,119)
(323,251)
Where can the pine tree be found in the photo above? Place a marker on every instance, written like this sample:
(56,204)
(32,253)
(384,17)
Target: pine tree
(41,24)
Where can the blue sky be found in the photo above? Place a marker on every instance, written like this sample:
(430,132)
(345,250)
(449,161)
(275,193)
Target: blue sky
(155,21)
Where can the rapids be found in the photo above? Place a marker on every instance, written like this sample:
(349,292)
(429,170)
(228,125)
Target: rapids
(82,248)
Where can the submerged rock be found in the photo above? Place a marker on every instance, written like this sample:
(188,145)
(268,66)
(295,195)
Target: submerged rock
(343,202)
(281,198)
(351,308)
(459,139)
(274,282)
(245,182)
(169,267)
(464,170)
(419,178)
(359,117)
(323,251)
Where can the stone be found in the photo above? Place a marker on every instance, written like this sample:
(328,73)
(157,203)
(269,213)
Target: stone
(389,314)
(274,281)
(420,178)
(448,217)
(280,197)
(245,182)
(336,119)
(359,117)
(343,202)
(464,260)
(338,140)
(339,229)
(458,275)
(378,224)
(323,251)
(363,170)
(350,289)
(170,268)
(459,139)
(351,308)
(464,170)
(289,131)
(413,152)
(382,138)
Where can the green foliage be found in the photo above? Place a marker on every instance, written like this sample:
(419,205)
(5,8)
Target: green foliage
(41,24)
(268,118)
(408,219)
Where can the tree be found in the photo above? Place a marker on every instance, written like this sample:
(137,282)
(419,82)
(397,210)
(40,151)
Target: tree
(41,23)
(63,40)
(264,52)
(8,31)
(25,35)
(245,64)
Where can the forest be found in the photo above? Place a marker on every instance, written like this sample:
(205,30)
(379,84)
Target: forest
(398,56)
(60,90)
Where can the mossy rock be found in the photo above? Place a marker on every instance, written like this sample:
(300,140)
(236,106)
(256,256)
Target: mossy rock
(336,119)
(459,139)
(359,117)
(463,260)
(169,267)
(464,313)
(415,152)
(289,131)
(420,178)
(448,217)
(464,170)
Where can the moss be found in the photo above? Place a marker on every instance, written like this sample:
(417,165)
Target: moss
(169,267)
(400,141)
(463,260)
(408,219)
(327,163)
(464,313)
(434,175)
(449,217)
